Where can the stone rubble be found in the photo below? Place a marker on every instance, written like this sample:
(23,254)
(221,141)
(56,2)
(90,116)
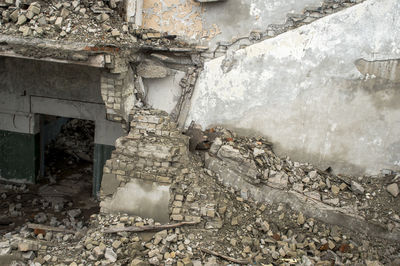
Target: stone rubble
(86,21)
(393,189)
(254,159)
(229,221)
(77,139)
(261,233)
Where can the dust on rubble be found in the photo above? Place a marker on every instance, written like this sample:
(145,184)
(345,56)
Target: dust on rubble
(86,21)
(231,223)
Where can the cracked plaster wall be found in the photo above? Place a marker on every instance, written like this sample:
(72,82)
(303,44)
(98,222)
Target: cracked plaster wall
(218,21)
(181,17)
(327,92)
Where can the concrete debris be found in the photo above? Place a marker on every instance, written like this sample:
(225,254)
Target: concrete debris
(77,139)
(303,178)
(98,22)
(357,188)
(110,255)
(393,189)
(74,213)
(231,224)
(279,180)
(151,69)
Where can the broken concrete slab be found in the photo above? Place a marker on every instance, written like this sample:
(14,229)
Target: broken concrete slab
(309,206)
(393,189)
(152,69)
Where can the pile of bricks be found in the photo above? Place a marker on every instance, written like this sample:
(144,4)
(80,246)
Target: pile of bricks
(154,150)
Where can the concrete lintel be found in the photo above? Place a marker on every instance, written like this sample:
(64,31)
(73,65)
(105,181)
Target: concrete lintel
(66,108)
(93,61)
(49,44)
(19,122)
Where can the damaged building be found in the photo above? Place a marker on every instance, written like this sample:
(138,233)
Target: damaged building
(259,132)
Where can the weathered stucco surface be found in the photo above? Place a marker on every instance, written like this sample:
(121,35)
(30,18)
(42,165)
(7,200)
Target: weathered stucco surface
(237,18)
(327,92)
(181,17)
(218,21)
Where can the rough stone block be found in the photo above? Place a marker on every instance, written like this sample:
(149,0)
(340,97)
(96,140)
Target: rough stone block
(151,69)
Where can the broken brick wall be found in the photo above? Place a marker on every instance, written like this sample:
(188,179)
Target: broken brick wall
(150,158)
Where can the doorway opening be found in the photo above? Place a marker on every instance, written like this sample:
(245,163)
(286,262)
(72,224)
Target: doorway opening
(67,149)
(62,194)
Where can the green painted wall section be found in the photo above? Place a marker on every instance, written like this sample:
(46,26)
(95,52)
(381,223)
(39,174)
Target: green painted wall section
(19,156)
(101,154)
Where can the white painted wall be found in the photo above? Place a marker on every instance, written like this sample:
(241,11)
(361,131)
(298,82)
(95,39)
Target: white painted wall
(164,93)
(303,90)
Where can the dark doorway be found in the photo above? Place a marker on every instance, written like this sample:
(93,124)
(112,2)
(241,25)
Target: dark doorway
(62,195)
(67,159)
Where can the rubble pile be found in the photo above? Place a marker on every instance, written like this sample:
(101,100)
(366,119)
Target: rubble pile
(250,231)
(85,21)
(77,139)
(371,197)
(50,204)
(217,224)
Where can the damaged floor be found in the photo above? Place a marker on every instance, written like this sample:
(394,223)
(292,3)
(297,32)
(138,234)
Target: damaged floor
(232,229)
(63,196)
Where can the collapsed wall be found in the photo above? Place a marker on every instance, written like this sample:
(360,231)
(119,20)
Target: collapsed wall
(325,93)
(138,176)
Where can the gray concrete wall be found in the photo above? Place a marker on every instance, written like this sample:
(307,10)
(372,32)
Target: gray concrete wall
(30,87)
(327,92)
(21,123)
(21,78)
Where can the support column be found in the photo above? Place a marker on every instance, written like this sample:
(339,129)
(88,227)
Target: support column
(106,133)
(102,153)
